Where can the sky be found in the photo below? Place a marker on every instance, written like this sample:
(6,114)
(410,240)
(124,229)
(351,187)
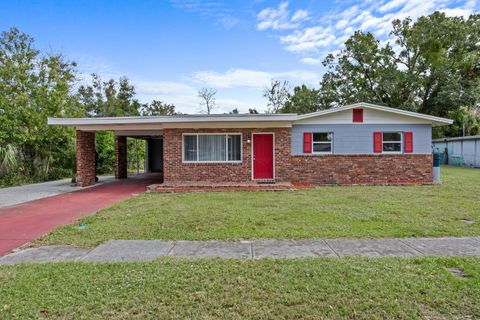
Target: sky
(171,49)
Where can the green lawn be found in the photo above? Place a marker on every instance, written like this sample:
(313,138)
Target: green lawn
(333,288)
(325,212)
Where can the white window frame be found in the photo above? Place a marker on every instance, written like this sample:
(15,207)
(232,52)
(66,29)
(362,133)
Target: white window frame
(323,142)
(226,134)
(401,142)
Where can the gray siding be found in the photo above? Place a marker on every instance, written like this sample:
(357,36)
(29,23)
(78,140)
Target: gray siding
(358,139)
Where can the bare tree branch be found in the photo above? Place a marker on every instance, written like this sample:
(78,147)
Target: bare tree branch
(207,99)
(277,95)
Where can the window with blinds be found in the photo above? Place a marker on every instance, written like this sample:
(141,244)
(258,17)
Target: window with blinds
(212,148)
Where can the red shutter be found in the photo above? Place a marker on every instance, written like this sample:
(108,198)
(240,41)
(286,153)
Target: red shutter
(357,115)
(377,142)
(408,142)
(307,142)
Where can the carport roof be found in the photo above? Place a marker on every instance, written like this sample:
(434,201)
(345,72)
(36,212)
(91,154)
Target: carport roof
(172,119)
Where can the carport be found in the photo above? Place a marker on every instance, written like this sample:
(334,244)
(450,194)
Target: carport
(148,129)
(85,153)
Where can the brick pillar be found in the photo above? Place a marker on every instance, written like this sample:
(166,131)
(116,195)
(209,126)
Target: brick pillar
(120,157)
(85,158)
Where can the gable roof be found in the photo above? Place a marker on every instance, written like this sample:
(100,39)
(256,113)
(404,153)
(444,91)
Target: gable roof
(435,121)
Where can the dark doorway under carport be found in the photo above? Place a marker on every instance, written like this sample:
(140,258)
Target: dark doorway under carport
(154,154)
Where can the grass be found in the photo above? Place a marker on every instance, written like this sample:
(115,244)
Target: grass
(325,212)
(338,288)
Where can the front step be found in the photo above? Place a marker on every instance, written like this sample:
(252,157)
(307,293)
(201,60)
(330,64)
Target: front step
(246,187)
(265,181)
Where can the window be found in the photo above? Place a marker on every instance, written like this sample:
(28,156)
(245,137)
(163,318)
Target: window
(392,142)
(212,147)
(322,142)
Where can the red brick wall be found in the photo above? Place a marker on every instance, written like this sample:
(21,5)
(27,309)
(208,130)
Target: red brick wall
(85,156)
(362,169)
(315,170)
(176,171)
(121,163)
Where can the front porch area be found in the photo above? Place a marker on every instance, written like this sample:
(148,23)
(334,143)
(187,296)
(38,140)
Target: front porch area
(191,186)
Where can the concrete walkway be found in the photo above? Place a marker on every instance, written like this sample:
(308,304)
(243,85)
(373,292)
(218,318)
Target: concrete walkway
(144,250)
(22,223)
(15,195)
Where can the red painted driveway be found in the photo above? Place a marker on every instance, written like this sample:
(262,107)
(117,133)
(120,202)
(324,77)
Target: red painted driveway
(25,222)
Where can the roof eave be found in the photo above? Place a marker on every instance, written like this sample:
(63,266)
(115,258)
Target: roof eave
(153,120)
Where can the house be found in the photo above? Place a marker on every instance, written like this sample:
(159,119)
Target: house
(360,143)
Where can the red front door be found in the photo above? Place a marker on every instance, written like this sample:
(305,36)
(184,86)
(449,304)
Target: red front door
(262,156)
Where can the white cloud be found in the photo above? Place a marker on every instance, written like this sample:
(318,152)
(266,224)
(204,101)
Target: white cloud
(342,23)
(250,78)
(308,39)
(163,88)
(185,96)
(299,15)
(329,31)
(311,61)
(465,12)
(279,18)
(391,5)
(231,85)
(233,78)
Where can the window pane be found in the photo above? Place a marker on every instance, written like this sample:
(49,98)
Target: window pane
(211,148)
(322,136)
(190,148)
(322,147)
(392,136)
(234,148)
(392,147)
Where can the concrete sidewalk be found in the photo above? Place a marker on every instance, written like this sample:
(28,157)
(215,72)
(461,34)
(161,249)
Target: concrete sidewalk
(144,250)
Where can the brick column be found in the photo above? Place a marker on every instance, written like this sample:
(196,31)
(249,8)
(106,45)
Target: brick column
(120,157)
(85,158)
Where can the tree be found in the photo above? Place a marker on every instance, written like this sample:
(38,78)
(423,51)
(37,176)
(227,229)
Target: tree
(207,99)
(234,111)
(465,123)
(303,100)
(252,111)
(33,87)
(276,95)
(363,71)
(158,108)
(433,69)
(109,98)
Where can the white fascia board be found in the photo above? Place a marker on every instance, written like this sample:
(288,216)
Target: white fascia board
(170,119)
(185,125)
(434,120)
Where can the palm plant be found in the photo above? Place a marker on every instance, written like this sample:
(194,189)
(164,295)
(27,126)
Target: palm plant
(8,160)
